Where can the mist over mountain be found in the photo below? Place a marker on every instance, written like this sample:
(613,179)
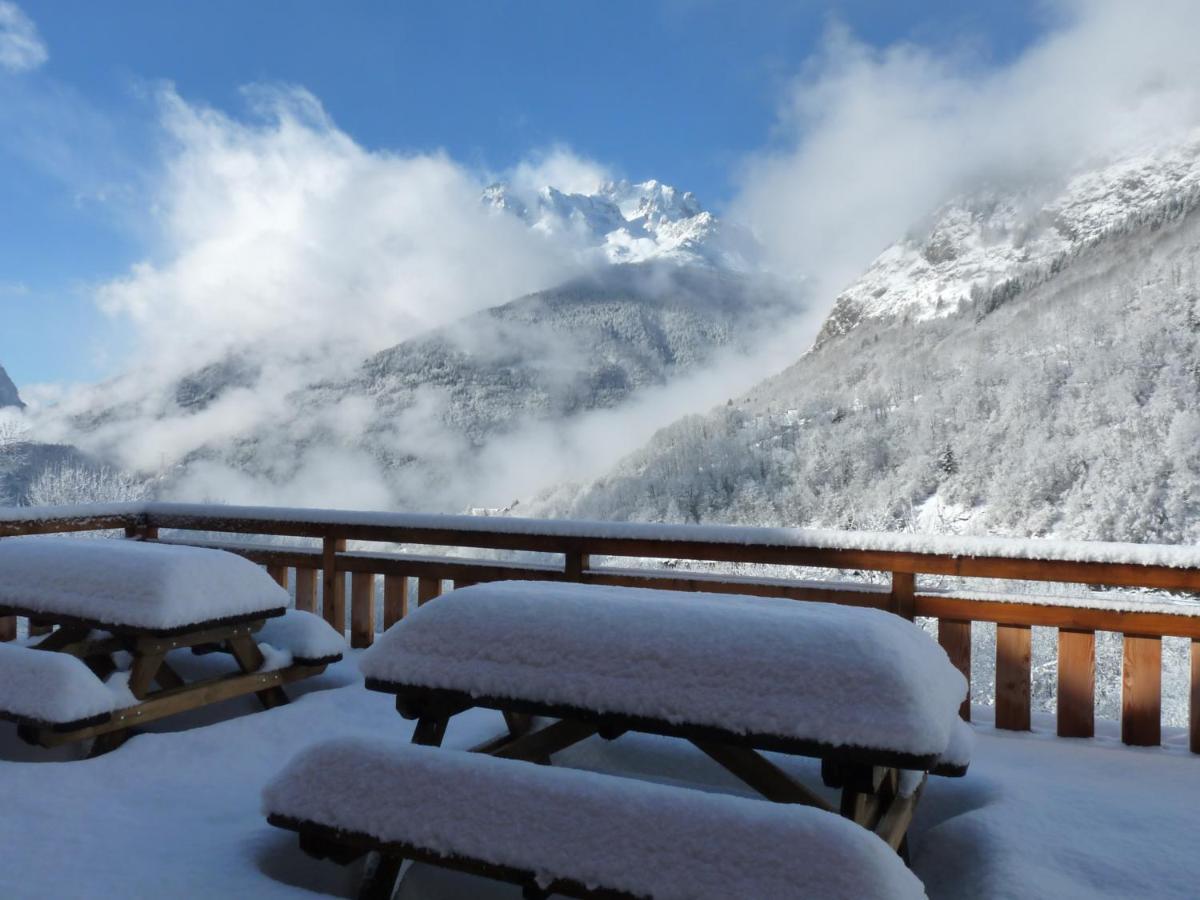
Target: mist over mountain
(1023,363)
(497,397)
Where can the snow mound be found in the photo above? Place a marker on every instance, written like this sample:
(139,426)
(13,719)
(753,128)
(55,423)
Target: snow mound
(647,839)
(130,583)
(807,671)
(303,636)
(50,687)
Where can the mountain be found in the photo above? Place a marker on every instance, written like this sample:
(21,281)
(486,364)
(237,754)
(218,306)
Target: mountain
(415,419)
(8,392)
(1025,363)
(631,223)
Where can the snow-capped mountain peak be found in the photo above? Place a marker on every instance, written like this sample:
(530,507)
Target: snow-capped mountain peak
(627,222)
(980,243)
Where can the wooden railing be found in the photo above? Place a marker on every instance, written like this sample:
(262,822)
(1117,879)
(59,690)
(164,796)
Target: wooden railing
(572,551)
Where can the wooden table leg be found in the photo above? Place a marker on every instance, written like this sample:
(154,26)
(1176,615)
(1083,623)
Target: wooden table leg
(250,659)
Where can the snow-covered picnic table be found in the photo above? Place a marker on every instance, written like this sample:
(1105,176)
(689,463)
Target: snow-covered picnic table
(865,691)
(106,599)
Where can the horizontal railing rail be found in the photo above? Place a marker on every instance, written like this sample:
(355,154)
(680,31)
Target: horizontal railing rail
(571,551)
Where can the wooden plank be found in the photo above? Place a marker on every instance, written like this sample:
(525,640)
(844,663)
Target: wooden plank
(1076,683)
(955,638)
(395,599)
(8,628)
(551,537)
(333,588)
(1014,647)
(1141,693)
(362,609)
(279,574)
(1194,708)
(306,589)
(427,589)
(575,563)
(177,700)
(463,583)
(904,586)
(1077,618)
(761,774)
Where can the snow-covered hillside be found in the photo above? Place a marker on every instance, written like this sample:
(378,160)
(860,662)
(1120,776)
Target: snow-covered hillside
(1054,391)
(630,222)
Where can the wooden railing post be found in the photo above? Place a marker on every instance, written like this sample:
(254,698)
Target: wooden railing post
(576,562)
(333,588)
(362,609)
(306,589)
(1076,683)
(904,588)
(395,599)
(1141,693)
(955,638)
(1013,654)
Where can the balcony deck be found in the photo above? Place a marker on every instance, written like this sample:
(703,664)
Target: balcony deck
(175,812)
(1053,806)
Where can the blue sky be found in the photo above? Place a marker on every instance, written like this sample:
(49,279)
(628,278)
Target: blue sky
(681,91)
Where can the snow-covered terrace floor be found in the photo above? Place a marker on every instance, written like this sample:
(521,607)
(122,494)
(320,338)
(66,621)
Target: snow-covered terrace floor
(175,813)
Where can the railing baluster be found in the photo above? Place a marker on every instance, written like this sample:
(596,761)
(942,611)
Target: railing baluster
(362,609)
(904,587)
(955,638)
(279,574)
(306,590)
(333,588)
(1141,693)
(1194,699)
(427,589)
(1076,683)
(1014,647)
(395,599)
(8,628)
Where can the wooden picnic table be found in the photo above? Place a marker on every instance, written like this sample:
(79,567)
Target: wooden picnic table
(102,599)
(566,662)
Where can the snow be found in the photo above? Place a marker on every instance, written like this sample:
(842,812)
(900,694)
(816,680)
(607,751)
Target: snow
(130,583)
(50,687)
(810,671)
(647,839)
(303,636)
(965,546)
(1172,556)
(176,811)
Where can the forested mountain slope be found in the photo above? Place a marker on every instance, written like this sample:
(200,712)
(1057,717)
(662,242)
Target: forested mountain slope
(1063,398)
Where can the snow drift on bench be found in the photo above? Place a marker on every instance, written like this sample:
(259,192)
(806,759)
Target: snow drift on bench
(647,839)
(133,584)
(836,675)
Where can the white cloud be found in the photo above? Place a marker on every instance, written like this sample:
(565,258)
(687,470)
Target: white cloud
(284,233)
(558,167)
(21,47)
(871,140)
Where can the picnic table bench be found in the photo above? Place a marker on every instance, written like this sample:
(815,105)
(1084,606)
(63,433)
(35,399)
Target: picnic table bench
(118,609)
(866,692)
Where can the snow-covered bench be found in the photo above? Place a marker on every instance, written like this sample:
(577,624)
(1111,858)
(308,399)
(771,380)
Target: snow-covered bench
(147,600)
(570,832)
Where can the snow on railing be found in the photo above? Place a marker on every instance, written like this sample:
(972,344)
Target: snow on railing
(584,551)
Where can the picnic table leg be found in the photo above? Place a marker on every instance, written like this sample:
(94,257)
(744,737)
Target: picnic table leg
(250,659)
(430,730)
(379,878)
